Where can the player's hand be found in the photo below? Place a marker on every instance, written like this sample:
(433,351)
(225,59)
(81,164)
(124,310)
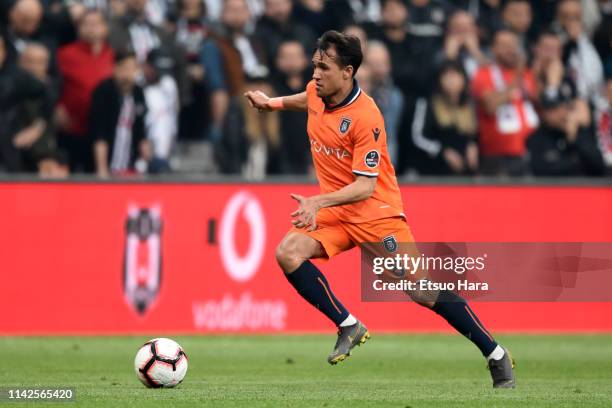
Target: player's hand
(258,100)
(306,215)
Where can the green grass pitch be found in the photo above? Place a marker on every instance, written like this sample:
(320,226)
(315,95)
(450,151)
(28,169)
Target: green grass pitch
(291,371)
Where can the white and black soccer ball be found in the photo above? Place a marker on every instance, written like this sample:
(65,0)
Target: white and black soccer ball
(161,363)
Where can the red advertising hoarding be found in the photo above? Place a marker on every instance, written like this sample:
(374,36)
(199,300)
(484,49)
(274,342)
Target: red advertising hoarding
(199,258)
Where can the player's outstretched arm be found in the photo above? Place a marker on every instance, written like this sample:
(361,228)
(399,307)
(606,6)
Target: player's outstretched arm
(261,101)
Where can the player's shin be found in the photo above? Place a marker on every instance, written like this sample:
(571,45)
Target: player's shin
(311,284)
(455,310)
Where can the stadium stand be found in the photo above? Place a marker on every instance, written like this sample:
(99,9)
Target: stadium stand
(467,87)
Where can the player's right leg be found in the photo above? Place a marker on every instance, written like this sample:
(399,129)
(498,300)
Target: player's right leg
(293,255)
(450,306)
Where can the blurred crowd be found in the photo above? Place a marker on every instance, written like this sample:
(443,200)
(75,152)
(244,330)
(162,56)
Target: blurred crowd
(125,87)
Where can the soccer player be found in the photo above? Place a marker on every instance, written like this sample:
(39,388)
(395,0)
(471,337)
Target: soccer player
(360,200)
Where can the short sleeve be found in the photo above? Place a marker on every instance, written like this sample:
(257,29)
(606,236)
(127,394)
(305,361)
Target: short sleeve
(369,139)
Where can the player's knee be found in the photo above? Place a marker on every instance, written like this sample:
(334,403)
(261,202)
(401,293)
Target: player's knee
(426,298)
(288,254)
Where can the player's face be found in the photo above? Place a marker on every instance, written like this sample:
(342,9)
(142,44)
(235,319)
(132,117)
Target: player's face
(328,75)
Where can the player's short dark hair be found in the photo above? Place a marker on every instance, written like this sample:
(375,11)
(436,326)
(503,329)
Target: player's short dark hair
(348,48)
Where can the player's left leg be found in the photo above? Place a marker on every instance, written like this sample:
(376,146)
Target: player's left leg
(293,255)
(452,307)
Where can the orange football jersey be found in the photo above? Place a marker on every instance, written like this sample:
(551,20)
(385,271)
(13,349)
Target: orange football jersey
(349,139)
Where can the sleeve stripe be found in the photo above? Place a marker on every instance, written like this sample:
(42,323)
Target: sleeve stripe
(365,173)
(432,147)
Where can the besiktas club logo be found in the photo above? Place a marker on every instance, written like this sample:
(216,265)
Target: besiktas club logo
(142,266)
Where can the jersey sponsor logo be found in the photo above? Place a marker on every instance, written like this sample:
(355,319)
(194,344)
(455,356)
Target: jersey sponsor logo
(142,267)
(320,148)
(345,123)
(376,134)
(372,158)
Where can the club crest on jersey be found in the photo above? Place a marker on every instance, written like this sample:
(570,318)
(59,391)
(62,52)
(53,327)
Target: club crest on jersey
(390,243)
(372,158)
(345,123)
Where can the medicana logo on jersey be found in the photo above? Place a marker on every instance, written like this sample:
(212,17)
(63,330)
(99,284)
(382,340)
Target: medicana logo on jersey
(240,311)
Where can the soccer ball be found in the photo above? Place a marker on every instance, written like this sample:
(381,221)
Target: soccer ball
(161,363)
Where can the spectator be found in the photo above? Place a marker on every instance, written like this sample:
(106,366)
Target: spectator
(347,12)
(602,39)
(157,11)
(202,117)
(43,151)
(412,71)
(312,13)
(552,78)
(25,114)
(24,25)
(243,53)
(561,147)
(35,59)
(293,153)
(579,55)
(517,16)
(359,32)
(487,14)
(117,120)
(387,96)
(461,43)
(277,25)
(364,77)
(134,30)
(161,96)
(426,22)
(243,147)
(82,66)
(117,9)
(503,91)
(591,15)
(412,63)
(548,66)
(61,18)
(444,127)
(603,126)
